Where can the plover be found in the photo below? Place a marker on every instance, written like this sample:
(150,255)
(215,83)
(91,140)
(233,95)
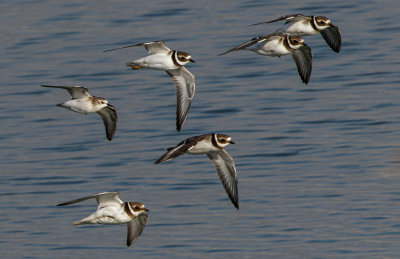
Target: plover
(172,62)
(277,45)
(302,25)
(83,102)
(111,210)
(213,146)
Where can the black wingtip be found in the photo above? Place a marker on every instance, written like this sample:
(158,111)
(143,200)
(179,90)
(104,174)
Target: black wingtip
(226,52)
(124,47)
(160,160)
(336,49)
(305,79)
(254,24)
(180,122)
(110,136)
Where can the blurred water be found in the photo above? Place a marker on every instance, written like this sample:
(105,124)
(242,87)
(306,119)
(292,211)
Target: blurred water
(318,165)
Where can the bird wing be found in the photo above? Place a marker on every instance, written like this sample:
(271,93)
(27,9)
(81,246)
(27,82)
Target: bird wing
(151,47)
(251,42)
(77,200)
(332,37)
(303,59)
(179,149)
(185,88)
(226,170)
(76,92)
(173,152)
(287,18)
(156,47)
(135,228)
(109,116)
(104,197)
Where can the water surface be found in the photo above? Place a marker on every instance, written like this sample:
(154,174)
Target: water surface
(318,165)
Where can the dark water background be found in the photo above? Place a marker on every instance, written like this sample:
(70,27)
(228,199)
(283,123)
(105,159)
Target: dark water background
(318,165)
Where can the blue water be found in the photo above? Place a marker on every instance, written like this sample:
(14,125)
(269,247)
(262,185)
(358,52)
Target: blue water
(318,165)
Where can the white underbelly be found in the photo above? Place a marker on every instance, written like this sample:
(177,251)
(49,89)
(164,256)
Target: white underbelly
(273,48)
(78,105)
(300,29)
(160,61)
(113,216)
(202,147)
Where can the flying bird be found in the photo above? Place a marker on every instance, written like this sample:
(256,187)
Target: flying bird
(111,210)
(173,63)
(83,102)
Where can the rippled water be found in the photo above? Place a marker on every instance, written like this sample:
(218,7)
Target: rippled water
(318,165)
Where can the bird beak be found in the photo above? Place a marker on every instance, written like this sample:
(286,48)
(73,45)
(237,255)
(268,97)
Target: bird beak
(191,60)
(232,142)
(146,210)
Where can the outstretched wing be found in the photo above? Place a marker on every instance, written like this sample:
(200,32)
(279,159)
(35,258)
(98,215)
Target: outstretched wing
(332,37)
(287,18)
(156,47)
(151,47)
(250,43)
(226,170)
(185,88)
(180,149)
(173,152)
(104,198)
(303,59)
(75,91)
(77,200)
(109,116)
(135,228)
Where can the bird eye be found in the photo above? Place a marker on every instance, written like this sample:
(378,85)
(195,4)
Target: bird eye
(137,207)
(295,42)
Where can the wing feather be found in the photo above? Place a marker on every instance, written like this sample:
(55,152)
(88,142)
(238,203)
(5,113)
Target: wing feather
(135,228)
(251,42)
(287,18)
(185,88)
(174,152)
(226,170)
(156,47)
(77,200)
(106,199)
(101,198)
(151,47)
(76,92)
(303,59)
(180,149)
(332,37)
(109,116)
